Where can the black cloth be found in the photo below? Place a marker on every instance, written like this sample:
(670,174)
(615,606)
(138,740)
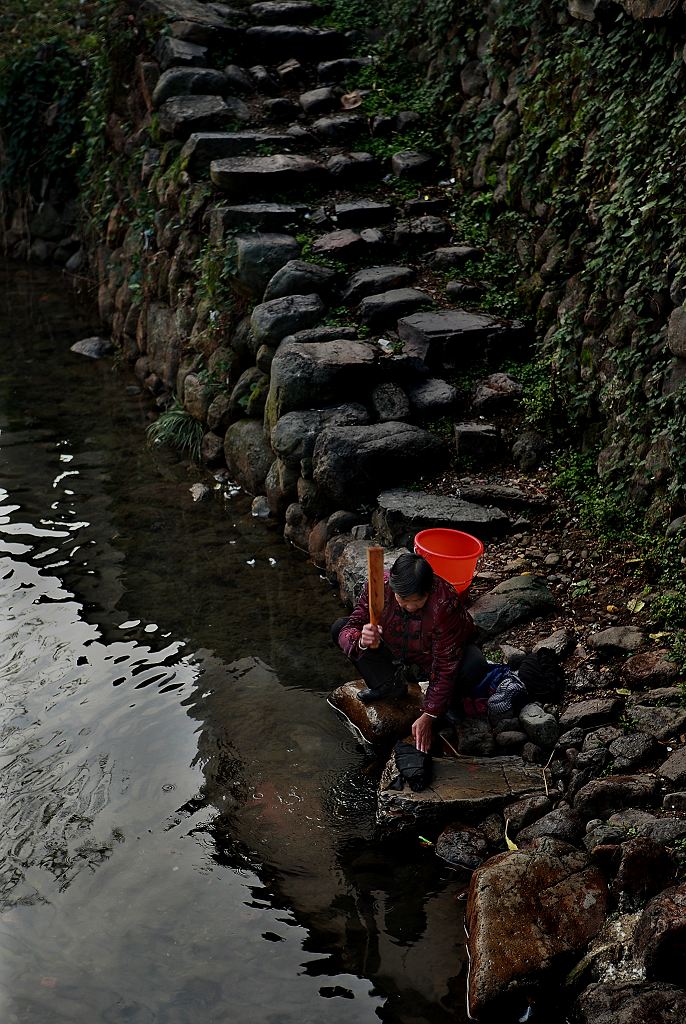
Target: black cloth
(414,768)
(542,676)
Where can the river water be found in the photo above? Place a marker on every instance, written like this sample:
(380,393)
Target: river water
(186,829)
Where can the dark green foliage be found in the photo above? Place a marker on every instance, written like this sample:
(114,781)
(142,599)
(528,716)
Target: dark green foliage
(178,429)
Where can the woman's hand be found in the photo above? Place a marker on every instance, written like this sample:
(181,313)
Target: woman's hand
(422,733)
(371,635)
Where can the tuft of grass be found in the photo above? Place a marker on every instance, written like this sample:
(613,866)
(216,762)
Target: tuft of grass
(177,429)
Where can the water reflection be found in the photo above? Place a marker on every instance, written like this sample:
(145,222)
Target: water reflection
(187,829)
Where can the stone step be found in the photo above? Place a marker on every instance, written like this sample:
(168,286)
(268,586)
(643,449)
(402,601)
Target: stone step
(383,310)
(461,787)
(194,22)
(373,280)
(452,336)
(181,116)
(278,43)
(260,216)
(189,82)
(332,72)
(403,513)
(367,213)
(264,176)
(203,147)
(175,53)
(378,724)
(285,12)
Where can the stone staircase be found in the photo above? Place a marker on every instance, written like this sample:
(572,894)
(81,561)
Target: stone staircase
(265,139)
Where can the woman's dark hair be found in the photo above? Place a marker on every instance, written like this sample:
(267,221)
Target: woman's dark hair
(411,574)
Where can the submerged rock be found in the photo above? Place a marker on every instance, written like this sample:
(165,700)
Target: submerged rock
(94,348)
(462,847)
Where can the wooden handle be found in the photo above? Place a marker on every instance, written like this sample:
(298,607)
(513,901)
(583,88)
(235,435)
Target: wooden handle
(376,587)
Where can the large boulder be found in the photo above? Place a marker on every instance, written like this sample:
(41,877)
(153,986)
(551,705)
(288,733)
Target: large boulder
(248,455)
(617,640)
(187,82)
(662,723)
(307,374)
(273,320)
(586,714)
(380,723)
(352,464)
(298,277)
(660,936)
(163,342)
(293,438)
(525,911)
(403,513)
(599,797)
(455,336)
(516,600)
(350,568)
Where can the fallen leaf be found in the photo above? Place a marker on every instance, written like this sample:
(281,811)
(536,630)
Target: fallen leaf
(635,605)
(657,636)
(612,608)
(624,693)
(633,561)
(508,841)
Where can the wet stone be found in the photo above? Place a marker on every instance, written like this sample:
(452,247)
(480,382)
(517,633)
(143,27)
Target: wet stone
(285,12)
(540,726)
(453,256)
(460,786)
(384,309)
(525,910)
(631,1003)
(645,868)
(660,935)
(95,347)
(509,739)
(373,280)
(561,643)
(453,332)
(525,812)
(202,148)
(295,433)
(462,847)
(652,668)
(264,81)
(601,737)
(379,723)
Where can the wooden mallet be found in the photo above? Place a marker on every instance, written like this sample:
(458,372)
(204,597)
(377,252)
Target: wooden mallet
(375,581)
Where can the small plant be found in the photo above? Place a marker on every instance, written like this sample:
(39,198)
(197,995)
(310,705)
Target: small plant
(177,429)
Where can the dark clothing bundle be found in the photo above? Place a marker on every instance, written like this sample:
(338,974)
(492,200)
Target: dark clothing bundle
(414,768)
(502,692)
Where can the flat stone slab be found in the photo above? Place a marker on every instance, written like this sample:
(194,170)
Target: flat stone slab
(586,714)
(461,787)
(659,722)
(617,640)
(257,176)
(382,722)
(501,495)
(461,332)
(263,216)
(363,213)
(201,148)
(403,513)
(181,116)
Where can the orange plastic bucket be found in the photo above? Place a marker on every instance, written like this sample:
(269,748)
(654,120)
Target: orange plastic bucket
(451,554)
